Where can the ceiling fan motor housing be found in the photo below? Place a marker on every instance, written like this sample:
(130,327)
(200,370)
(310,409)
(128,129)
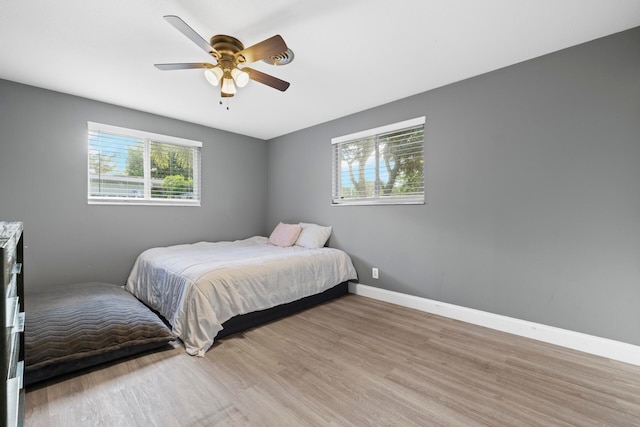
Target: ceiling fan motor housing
(226,52)
(227,47)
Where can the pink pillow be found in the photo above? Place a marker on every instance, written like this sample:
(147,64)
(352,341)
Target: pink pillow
(285,234)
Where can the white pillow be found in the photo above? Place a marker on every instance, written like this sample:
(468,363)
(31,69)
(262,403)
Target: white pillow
(313,236)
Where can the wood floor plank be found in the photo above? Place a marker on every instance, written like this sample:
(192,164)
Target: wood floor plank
(353,361)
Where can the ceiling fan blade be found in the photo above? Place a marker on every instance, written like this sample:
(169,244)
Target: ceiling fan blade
(266,48)
(266,79)
(190,33)
(183,66)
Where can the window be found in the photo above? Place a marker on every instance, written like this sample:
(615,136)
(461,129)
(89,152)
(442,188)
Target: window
(384,165)
(133,167)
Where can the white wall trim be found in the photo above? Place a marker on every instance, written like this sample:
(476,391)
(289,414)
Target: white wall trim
(598,346)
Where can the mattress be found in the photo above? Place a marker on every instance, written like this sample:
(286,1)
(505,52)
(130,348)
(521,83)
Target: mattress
(75,326)
(197,287)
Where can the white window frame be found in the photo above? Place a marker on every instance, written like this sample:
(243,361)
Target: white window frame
(336,197)
(148,137)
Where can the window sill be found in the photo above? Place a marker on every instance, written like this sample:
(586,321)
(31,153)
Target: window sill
(378,202)
(143,202)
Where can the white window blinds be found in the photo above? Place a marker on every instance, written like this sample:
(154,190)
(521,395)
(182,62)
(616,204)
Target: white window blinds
(129,166)
(384,165)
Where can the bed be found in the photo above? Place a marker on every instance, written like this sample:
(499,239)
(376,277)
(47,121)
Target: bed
(204,288)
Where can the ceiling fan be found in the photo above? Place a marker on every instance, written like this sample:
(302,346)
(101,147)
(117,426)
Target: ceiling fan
(229,53)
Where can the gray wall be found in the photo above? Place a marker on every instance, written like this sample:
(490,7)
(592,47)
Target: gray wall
(43,182)
(532,189)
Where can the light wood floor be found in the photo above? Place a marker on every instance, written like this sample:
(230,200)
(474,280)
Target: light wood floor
(353,361)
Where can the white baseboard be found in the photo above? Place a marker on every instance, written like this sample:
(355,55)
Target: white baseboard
(604,347)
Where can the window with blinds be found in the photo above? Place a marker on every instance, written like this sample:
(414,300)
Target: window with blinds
(127,166)
(384,165)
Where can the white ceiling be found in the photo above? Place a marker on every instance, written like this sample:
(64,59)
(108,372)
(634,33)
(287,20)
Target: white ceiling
(350,55)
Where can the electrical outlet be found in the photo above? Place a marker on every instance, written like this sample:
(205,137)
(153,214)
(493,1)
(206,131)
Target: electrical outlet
(374,273)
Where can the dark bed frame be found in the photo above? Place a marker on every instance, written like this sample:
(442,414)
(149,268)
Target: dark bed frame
(246,321)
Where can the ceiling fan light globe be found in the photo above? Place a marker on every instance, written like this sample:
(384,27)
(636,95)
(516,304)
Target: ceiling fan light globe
(240,77)
(228,87)
(213,75)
